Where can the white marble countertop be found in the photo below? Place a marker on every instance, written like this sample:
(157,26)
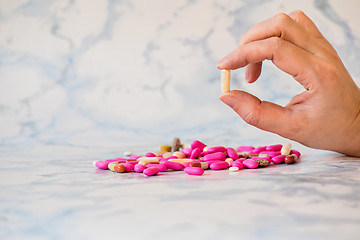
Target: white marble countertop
(81,82)
(59,194)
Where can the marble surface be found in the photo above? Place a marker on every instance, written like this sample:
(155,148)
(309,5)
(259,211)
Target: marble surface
(87,80)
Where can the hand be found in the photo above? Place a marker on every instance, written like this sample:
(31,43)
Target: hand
(327,114)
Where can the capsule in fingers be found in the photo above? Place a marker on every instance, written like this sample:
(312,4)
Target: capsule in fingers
(225,80)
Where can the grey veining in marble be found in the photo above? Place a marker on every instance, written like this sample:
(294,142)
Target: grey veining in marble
(87,80)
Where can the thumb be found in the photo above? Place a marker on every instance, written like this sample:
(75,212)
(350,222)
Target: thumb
(261,114)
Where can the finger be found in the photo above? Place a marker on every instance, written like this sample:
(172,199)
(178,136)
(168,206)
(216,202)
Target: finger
(301,18)
(284,27)
(252,72)
(286,56)
(261,114)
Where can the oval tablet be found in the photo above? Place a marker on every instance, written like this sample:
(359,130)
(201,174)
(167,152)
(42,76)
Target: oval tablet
(161,167)
(231,153)
(214,156)
(174,165)
(139,168)
(102,165)
(216,149)
(194,170)
(195,153)
(151,171)
(219,165)
(276,147)
(249,163)
(197,144)
(278,159)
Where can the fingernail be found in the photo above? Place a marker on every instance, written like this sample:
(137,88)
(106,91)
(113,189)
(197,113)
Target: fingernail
(228,99)
(218,65)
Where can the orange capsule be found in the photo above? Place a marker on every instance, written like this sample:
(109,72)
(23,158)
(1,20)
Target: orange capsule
(119,168)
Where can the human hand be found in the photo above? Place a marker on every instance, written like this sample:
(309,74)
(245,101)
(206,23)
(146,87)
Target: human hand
(327,114)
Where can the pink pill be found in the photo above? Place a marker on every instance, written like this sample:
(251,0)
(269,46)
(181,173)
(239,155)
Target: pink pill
(216,149)
(245,148)
(219,165)
(128,167)
(161,167)
(197,144)
(237,164)
(271,153)
(174,165)
(240,160)
(186,164)
(133,162)
(258,150)
(249,163)
(134,157)
(297,153)
(276,147)
(214,156)
(171,157)
(194,171)
(231,153)
(150,154)
(195,153)
(204,153)
(139,168)
(151,171)
(213,161)
(102,165)
(278,159)
(187,151)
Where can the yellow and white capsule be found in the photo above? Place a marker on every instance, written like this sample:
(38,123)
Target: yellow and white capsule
(225,80)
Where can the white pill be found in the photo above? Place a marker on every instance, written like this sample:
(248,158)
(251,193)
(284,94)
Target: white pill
(233,169)
(286,148)
(225,80)
(128,153)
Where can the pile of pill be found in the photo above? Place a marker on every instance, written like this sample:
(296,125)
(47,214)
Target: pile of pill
(198,157)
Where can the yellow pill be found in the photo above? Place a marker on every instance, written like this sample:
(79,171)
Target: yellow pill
(182,160)
(165,148)
(225,80)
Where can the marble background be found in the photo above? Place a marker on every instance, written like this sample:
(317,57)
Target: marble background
(108,73)
(85,80)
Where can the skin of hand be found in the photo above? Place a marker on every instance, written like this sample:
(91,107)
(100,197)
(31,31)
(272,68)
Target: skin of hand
(327,114)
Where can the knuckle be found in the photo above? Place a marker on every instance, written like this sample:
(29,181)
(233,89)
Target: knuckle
(252,118)
(281,20)
(298,14)
(276,44)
